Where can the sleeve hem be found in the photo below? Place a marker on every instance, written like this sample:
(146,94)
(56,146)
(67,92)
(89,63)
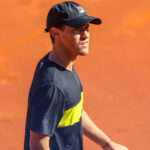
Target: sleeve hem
(42,132)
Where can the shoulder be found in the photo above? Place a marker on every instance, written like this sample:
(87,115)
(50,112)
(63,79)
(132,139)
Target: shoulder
(48,73)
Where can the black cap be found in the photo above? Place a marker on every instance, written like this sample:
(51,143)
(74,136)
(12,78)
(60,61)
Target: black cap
(69,13)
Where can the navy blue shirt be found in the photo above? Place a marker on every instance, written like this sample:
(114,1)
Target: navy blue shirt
(55,106)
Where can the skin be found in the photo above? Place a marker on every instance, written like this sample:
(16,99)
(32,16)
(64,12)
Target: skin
(69,44)
(97,135)
(38,141)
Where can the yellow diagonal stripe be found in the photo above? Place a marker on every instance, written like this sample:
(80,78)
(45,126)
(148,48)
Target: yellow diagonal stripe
(72,115)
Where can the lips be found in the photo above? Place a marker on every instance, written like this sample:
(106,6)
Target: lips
(84,43)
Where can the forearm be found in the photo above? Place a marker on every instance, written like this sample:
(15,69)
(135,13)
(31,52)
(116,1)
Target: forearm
(38,146)
(38,141)
(92,131)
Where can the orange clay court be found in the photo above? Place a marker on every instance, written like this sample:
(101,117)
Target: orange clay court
(115,75)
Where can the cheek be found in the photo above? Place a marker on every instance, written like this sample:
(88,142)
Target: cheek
(76,39)
(73,40)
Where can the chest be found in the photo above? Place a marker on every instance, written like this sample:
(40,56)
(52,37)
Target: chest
(72,89)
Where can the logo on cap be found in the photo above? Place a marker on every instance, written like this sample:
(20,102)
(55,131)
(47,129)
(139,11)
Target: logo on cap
(80,9)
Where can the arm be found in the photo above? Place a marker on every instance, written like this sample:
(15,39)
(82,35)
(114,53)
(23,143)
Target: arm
(97,135)
(92,131)
(45,114)
(38,141)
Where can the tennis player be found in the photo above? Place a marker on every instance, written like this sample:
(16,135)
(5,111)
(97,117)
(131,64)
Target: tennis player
(56,119)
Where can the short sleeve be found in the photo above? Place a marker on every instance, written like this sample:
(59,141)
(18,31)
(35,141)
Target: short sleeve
(47,109)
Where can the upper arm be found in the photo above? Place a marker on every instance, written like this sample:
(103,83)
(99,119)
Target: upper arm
(47,109)
(39,141)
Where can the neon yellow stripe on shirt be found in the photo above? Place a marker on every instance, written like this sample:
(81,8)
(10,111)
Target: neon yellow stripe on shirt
(72,115)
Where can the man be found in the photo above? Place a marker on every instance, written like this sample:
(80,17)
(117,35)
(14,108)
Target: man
(56,119)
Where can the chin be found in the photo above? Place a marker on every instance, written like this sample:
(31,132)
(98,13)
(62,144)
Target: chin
(84,52)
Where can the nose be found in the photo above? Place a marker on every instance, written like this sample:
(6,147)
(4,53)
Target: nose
(85,33)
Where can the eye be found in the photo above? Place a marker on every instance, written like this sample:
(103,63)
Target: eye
(87,28)
(77,28)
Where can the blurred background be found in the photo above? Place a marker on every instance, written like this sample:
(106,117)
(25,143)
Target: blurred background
(115,75)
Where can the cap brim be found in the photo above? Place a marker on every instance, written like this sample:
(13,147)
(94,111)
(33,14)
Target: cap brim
(83,20)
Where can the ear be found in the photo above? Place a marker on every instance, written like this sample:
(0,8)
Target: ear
(54,32)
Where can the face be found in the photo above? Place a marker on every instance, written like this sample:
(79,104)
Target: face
(75,40)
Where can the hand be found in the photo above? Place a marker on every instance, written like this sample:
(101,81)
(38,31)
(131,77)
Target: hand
(115,146)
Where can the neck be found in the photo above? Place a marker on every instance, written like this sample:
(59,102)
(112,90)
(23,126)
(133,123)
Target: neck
(61,58)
